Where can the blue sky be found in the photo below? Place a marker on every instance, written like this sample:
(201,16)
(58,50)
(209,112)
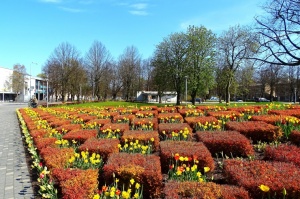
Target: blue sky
(30,30)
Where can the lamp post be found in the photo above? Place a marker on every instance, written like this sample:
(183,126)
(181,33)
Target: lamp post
(295,90)
(47,94)
(186,77)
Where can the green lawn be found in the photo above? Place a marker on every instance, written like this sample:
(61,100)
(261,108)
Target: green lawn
(139,104)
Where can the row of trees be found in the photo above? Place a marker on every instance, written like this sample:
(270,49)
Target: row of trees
(228,64)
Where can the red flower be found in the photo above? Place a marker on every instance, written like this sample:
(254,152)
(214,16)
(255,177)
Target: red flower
(118,192)
(42,175)
(176,156)
(104,188)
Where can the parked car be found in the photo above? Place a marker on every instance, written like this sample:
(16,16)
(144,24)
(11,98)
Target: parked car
(199,100)
(261,99)
(214,99)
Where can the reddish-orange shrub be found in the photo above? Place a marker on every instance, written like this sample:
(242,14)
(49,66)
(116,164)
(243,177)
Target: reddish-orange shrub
(291,112)
(228,115)
(38,133)
(204,190)
(144,124)
(295,137)
(283,153)
(169,118)
(126,111)
(166,129)
(125,118)
(276,175)
(80,135)
(45,142)
(190,189)
(192,121)
(144,169)
(143,136)
(193,150)
(234,192)
(116,126)
(56,157)
(104,147)
(228,142)
(76,183)
(85,117)
(256,130)
(68,127)
(146,113)
(190,112)
(99,122)
(147,108)
(272,119)
(167,109)
(58,122)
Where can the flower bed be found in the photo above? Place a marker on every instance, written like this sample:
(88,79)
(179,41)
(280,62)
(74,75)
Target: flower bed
(173,131)
(199,121)
(143,137)
(167,109)
(144,124)
(169,118)
(230,143)
(80,135)
(256,130)
(104,147)
(188,189)
(76,183)
(173,158)
(277,176)
(283,153)
(191,150)
(143,169)
(295,137)
(191,112)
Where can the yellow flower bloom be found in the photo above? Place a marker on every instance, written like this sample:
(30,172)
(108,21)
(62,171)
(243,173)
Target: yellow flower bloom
(264,188)
(137,185)
(136,195)
(206,169)
(97,196)
(132,181)
(199,174)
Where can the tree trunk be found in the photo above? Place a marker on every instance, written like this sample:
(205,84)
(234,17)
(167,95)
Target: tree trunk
(227,97)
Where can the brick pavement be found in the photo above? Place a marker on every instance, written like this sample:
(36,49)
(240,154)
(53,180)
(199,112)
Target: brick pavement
(15,180)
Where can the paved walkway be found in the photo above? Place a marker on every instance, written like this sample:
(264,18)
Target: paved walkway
(14,175)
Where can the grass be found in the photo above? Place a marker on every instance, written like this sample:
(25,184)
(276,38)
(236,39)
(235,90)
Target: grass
(139,104)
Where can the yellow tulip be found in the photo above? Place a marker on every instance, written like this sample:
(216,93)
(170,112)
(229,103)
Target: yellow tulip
(264,188)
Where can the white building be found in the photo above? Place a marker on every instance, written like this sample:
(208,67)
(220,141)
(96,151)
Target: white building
(33,87)
(152,96)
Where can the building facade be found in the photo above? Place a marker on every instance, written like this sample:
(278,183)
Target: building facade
(33,87)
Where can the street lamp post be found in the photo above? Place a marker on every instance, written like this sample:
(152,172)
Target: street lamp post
(47,94)
(295,90)
(186,77)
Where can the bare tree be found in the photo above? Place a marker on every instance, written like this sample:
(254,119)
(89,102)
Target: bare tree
(147,70)
(60,66)
(116,82)
(129,63)
(18,78)
(235,46)
(279,31)
(96,61)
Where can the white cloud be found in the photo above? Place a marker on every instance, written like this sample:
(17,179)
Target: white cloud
(139,6)
(74,10)
(138,12)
